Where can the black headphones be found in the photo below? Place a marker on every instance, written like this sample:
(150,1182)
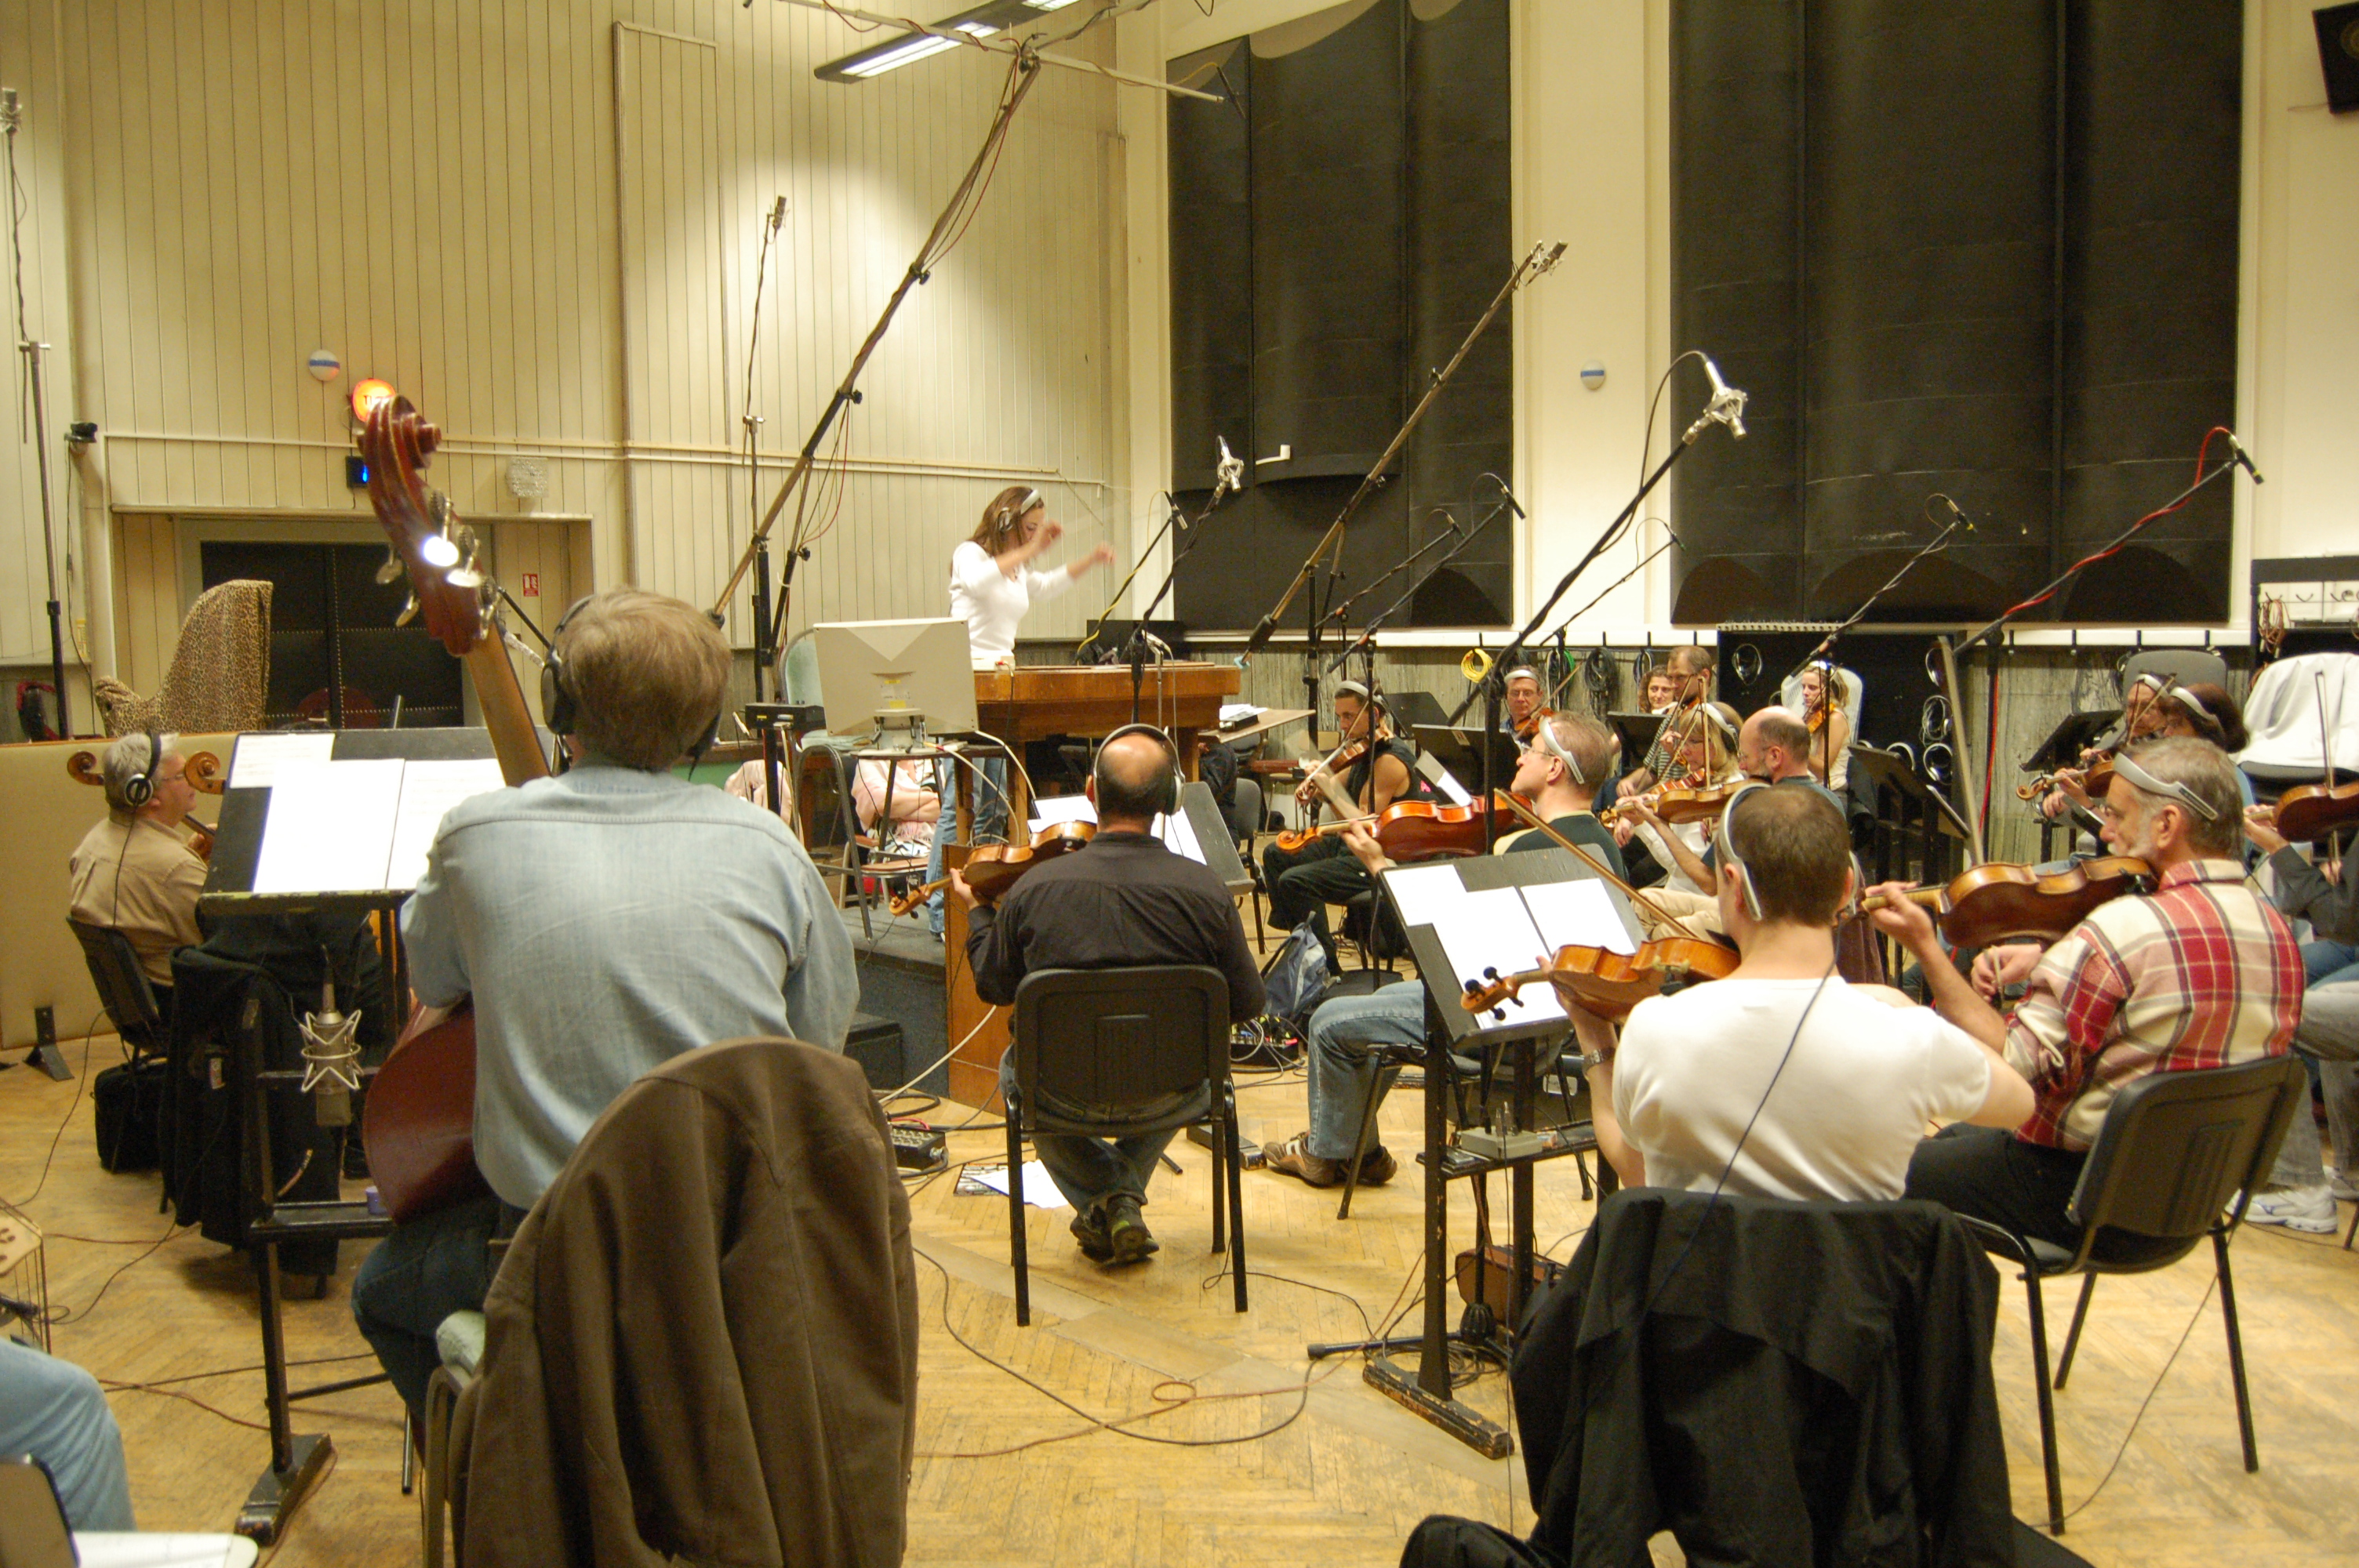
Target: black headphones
(558,709)
(140,787)
(1167,800)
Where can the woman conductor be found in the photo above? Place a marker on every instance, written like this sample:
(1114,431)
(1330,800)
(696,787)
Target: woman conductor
(990,584)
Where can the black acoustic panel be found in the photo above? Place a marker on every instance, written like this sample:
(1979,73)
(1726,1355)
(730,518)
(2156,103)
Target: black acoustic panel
(1461,247)
(2153,175)
(1328,320)
(1210,185)
(1931,280)
(1890,665)
(1255,542)
(1735,119)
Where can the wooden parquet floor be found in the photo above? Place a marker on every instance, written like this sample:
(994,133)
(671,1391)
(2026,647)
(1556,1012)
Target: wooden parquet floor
(1339,1474)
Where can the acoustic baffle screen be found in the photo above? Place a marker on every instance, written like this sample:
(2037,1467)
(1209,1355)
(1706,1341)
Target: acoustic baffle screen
(1334,232)
(1989,252)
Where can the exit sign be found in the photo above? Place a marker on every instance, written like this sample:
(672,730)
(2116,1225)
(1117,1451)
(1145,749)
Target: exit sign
(531,589)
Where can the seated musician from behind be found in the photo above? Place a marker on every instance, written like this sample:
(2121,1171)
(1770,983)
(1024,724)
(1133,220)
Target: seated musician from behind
(1303,883)
(1123,900)
(604,921)
(1555,773)
(135,871)
(2200,973)
(1691,670)
(1783,1080)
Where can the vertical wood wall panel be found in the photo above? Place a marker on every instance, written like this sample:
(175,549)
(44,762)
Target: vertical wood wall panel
(430,191)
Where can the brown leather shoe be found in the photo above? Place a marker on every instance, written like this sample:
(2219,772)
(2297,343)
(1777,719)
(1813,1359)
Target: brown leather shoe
(1294,1158)
(1377,1167)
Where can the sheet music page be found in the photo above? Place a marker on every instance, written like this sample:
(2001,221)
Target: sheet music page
(1578,914)
(1178,836)
(255,763)
(429,789)
(1063,809)
(329,827)
(1452,790)
(1492,929)
(1425,893)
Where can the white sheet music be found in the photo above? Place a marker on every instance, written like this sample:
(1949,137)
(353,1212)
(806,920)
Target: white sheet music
(1577,914)
(1493,930)
(429,789)
(257,759)
(1178,836)
(1063,808)
(330,826)
(1425,893)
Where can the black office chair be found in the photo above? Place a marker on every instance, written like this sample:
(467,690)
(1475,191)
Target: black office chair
(124,989)
(2173,1163)
(1113,1038)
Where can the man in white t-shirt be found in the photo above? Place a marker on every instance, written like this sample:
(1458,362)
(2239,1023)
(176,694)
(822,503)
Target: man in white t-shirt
(1782,1080)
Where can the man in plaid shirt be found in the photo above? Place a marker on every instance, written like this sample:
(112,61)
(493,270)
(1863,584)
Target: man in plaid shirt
(2200,973)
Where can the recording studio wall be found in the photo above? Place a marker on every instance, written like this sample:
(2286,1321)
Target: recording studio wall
(1336,229)
(1989,251)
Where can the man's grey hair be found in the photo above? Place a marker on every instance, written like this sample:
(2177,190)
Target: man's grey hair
(2204,771)
(128,756)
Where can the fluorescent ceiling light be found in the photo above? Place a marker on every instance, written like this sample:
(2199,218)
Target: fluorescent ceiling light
(982,21)
(917,47)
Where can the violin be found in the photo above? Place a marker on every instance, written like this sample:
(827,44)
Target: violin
(1604,982)
(1995,901)
(1676,805)
(2310,812)
(1342,757)
(1416,829)
(992,870)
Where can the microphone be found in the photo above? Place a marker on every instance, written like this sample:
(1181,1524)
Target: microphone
(1261,635)
(1727,404)
(2236,449)
(1230,470)
(777,213)
(331,1055)
(1959,513)
(10,115)
(1510,496)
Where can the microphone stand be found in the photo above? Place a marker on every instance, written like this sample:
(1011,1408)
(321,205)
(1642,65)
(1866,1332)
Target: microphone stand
(1139,634)
(12,118)
(1340,614)
(1366,639)
(1827,645)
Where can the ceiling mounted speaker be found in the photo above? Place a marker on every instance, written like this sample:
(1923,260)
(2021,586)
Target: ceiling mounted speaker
(2338,55)
(527,478)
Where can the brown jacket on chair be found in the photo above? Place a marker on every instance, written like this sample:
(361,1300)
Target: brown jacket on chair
(702,1343)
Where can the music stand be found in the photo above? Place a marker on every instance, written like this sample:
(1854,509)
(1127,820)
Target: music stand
(1638,731)
(1460,751)
(2074,735)
(905,678)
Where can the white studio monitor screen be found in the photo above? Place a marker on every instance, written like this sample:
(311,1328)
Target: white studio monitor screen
(894,676)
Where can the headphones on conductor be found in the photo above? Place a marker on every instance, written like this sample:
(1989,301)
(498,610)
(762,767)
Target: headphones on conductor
(1011,515)
(1167,799)
(140,787)
(561,713)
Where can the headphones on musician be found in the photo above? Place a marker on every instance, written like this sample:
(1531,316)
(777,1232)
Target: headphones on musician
(1166,798)
(140,787)
(561,713)
(1724,844)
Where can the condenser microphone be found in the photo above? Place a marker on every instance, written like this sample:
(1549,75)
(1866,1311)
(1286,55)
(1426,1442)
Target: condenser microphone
(1231,470)
(1727,404)
(331,1055)
(777,213)
(2236,449)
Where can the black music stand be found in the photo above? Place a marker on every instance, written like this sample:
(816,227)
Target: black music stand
(1451,1030)
(296,1461)
(1460,750)
(2075,734)
(1916,826)
(1638,731)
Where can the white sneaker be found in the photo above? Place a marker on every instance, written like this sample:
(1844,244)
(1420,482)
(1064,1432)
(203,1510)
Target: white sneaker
(2296,1208)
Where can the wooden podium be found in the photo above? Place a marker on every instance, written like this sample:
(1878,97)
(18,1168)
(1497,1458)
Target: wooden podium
(1032,703)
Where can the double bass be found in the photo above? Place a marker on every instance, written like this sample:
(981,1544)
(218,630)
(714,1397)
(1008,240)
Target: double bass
(420,1123)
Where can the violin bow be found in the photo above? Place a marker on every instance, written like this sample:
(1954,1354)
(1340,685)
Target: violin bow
(1516,804)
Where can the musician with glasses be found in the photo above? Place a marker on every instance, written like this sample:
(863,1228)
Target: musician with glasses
(134,872)
(2202,972)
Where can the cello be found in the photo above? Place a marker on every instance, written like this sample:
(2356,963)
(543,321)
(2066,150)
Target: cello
(419,1127)
(202,769)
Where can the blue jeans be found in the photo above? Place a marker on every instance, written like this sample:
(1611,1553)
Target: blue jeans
(990,819)
(1088,1170)
(2328,963)
(53,1411)
(1344,1035)
(2329,1035)
(421,1273)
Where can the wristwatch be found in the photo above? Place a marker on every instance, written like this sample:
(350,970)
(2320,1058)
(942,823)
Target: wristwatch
(1589,1059)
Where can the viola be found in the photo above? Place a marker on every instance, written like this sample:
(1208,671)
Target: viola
(2309,811)
(1996,902)
(992,870)
(1417,829)
(1342,757)
(1601,981)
